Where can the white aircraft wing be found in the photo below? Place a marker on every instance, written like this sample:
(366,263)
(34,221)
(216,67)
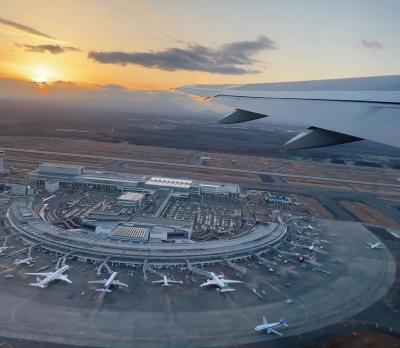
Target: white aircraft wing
(41,274)
(275,332)
(64,278)
(118,283)
(265,320)
(229,281)
(332,111)
(157,281)
(98,281)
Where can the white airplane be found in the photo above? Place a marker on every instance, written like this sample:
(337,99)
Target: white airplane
(107,283)
(50,277)
(26,261)
(4,248)
(165,281)
(271,328)
(376,245)
(335,111)
(220,282)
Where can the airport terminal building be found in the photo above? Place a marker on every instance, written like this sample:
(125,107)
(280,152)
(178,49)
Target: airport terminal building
(53,176)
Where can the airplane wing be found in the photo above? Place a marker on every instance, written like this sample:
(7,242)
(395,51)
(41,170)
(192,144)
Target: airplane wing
(275,332)
(40,274)
(64,278)
(333,111)
(118,283)
(98,281)
(229,281)
(158,281)
(265,320)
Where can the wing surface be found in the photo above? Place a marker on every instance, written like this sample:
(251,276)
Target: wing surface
(332,111)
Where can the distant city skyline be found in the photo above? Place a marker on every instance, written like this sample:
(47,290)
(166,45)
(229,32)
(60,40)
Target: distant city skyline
(146,45)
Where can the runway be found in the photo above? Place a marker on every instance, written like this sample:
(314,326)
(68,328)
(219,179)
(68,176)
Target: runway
(224,169)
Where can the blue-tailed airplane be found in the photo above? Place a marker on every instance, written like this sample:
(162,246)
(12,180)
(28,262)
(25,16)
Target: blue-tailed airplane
(271,328)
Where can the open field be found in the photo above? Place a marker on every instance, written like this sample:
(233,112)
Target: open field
(98,148)
(368,214)
(316,184)
(311,183)
(317,208)
(301,167)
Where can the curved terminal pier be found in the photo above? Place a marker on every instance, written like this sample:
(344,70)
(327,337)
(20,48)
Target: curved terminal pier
(92,247)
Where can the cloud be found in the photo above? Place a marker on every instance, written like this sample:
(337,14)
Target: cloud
(373,44)
(113,86)
(231,59)
(24,29)
(53,49)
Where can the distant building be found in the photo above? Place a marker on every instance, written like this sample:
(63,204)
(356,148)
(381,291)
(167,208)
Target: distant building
(51,186)
(178,184)
(49,175)
(19,190)
(272,198)
(64,169)
(215,189)
(131,199)
(140,228)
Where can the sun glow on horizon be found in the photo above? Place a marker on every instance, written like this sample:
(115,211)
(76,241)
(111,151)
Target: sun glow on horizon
(42,74)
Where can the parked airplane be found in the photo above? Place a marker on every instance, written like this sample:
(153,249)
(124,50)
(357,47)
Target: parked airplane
(50,277)
(107,283)
(26,261)
(336,111)
(271,328)
(376,245)
(220,282)
(165,281)
(301,257)
(4,248)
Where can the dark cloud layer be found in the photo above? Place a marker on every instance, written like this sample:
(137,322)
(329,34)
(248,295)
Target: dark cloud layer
(24,28)
(231,59)
(53,49)
(374,44)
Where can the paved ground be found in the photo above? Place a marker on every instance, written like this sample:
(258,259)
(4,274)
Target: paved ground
(151,316)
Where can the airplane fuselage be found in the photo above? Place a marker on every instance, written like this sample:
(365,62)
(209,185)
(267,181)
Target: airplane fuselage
(110,280)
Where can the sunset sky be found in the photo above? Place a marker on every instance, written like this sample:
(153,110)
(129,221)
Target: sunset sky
(164,44)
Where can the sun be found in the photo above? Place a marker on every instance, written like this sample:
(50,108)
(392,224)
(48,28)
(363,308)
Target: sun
(42,75)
